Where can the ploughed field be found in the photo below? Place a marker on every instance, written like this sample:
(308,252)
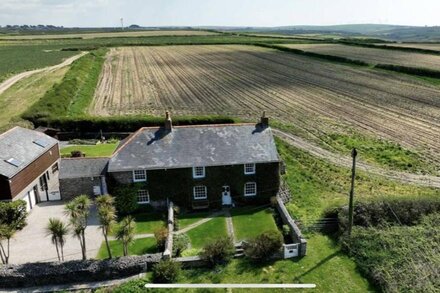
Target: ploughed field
(372,55)
(244,80)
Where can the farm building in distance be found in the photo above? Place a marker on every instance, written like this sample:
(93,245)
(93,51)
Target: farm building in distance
(29,166)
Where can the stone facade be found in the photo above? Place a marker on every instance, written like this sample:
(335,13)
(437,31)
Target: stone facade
(72,187)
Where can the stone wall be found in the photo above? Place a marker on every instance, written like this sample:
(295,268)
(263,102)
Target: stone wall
(53,273)
(71,187)
(294,230)
(168,253)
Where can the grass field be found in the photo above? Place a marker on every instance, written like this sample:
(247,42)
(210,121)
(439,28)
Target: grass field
(207,232)
(99,150)
(244,80)
(140,246)
(93,35)
(250,222)
(187,219)
(147,223)
(16,100)
(373,56)
(19,58)
(325,265)
(317,185)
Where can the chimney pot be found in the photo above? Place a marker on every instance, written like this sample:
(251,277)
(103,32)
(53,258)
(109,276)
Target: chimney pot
(264,120)
(168,122)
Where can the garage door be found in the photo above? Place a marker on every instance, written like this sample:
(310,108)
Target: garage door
(32,198)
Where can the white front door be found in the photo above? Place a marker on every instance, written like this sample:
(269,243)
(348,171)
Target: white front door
(226,195)
(32,198)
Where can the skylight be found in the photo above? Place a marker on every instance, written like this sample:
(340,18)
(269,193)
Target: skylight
(41,142)
(14,162)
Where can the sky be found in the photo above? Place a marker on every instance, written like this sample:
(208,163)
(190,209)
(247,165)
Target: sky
(107,13)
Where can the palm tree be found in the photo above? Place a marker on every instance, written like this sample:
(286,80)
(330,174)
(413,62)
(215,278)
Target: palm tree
(107,216)
(78,210)
(125,233)
(58,231)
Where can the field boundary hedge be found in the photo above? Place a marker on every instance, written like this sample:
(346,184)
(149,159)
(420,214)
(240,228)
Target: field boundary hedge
(394,48)
(410,70)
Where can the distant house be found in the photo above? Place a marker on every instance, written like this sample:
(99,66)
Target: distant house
(199,166)
(29,166)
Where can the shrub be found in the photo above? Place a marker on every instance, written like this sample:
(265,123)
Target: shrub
(218,252)
(161,235)
(125,199)
(264,246)
(76,154)
(166,271)
(180,243)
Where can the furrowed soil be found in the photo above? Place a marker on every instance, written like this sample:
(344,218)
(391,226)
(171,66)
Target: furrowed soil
(373,56)
(242,81)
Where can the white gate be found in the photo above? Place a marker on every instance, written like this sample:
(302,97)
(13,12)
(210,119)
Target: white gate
(290,250)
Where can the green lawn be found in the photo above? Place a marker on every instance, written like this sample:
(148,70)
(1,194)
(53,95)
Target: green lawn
(250,222)
(139,247)
(208,232)
(188,219)
(325,265)
(147,223)
(99,150)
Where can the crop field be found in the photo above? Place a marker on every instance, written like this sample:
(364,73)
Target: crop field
(18,58)
(373,56)
(146,33)
(244,80)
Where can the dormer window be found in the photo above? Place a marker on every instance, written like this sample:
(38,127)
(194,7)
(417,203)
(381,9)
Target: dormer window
(249,169)
(198,172)
(139,175)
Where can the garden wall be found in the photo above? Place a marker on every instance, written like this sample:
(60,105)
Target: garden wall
(295,233)
(77,271)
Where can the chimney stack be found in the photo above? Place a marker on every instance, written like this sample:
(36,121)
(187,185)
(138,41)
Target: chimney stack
(264,120)
(168,122)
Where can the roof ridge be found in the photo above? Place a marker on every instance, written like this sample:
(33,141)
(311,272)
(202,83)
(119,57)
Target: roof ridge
(136,133)
(86,158)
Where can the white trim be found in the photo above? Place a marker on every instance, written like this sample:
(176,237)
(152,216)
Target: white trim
(205,192)
(255,187)
(147,194)
(195,175)
(140,180)
(251,165)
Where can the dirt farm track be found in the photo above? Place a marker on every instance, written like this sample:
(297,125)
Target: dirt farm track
(244,80)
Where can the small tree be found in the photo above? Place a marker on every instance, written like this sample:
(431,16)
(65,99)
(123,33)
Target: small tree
(125,233)
(12,219)
(219,251)
(126,199)
(263,246)
(166,271)
(107,217)
(180,243)
(78,210)
(161,235)
(58,231)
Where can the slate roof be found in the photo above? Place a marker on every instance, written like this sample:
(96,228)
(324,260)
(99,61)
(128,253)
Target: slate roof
(19,144)
(188,146)
(83,167)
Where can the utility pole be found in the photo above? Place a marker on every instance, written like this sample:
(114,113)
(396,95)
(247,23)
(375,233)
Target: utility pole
(350,204)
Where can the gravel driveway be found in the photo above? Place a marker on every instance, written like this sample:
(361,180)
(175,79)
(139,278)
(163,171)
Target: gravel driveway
(32,245)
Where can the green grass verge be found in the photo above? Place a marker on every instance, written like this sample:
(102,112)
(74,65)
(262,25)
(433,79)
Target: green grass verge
(188,219)
(317,185)
(207,232)
(73,95)
(99,150)
(325,265)
(140,246)
(250,222)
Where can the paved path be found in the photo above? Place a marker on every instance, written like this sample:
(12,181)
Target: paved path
(32,245)
(346,161)
(137,236)
(12,80)
(198,223)
(230,225)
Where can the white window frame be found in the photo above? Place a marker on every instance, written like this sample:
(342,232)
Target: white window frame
(144,176)
(197,190)
(246,191)
(147,195)
(250,165)
(195,175)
